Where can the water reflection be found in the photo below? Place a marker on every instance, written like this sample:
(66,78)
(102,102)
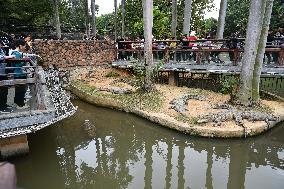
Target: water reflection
(129,152)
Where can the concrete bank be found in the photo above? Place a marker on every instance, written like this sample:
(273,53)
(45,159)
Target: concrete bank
(170,122)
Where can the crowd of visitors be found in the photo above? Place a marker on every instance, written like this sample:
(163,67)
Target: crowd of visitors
(185,48)
(13,48)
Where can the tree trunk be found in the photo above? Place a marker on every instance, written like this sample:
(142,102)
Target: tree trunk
(244,95)
(93,9)
(187,16)
(115,20)
(87,21)
(221,19)
(174,18)
(56,18)
(148,25)
(261,50)
(123,18)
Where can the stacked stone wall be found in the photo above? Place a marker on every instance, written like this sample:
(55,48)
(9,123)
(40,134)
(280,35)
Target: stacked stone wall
(73,53)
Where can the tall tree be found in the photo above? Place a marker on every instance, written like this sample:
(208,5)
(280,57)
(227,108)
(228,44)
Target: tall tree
(238,11)
(56,18)
(148,56)
(123,18)
(261,50)
(115,20)
(186,16)
(87,19)
(93,10)
(221,19)
(174,18)
(254,27)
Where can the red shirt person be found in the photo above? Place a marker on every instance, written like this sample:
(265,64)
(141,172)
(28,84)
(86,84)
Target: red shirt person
(192,37)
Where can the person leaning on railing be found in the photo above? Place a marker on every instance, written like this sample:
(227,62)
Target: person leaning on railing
(20,90)
(3,76)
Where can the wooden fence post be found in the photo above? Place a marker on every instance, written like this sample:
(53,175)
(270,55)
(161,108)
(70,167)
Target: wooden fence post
(235,61)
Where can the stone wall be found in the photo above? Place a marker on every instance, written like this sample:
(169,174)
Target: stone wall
(72,53)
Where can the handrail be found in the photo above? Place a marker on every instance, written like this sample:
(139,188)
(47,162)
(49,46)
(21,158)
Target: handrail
(214,41)
(200,54)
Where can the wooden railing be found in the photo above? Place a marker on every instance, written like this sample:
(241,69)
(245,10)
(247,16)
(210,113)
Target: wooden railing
(177,55)
(9,77)
(201,50)
(30,75)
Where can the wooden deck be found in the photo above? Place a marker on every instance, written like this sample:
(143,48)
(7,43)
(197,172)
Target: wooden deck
(190,66)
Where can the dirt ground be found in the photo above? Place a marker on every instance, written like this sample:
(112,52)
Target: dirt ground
(196,108)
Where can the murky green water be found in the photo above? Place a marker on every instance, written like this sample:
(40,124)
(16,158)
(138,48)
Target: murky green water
(130,152)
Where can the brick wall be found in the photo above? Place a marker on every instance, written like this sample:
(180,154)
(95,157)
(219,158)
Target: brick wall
(71,53)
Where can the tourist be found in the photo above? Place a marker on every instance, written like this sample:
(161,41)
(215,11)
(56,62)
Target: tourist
(162,45)
(276,43)
(185,46)
(20,90)
(270,38)
(173,46)
(28,46)
(4,37)
(3,76)
(12,39)
(192,37)
(233,44)
(128,47)
(120,47)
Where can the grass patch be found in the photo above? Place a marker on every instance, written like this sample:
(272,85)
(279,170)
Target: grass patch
(145,101)
(186,119)
(138,100)
(112,74)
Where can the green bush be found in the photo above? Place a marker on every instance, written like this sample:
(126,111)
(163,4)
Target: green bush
(229,85)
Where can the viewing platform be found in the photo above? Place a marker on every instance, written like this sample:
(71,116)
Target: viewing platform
(34,101)
(204,65)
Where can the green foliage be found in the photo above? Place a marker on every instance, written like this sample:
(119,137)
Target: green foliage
(27,12)
(156,69)
(148,101)
(229,85)
(162,24)
(139,74)
(238,12)
(161,20)
(277,16)
(112,74)
(40,13)
(197,22)
(105,24)
(211,24)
